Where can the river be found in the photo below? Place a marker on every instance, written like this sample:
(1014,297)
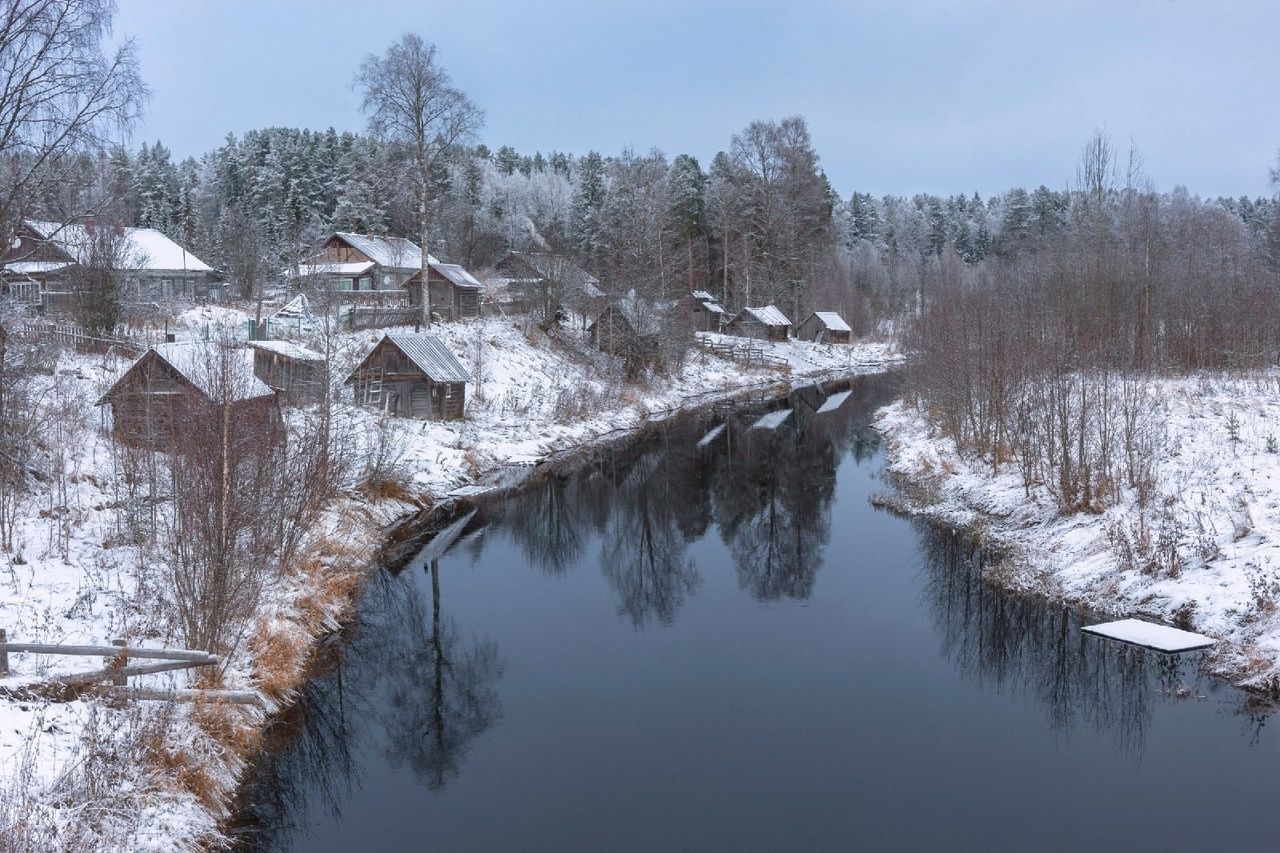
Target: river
(716,642)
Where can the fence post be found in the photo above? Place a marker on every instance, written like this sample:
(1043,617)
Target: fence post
(119,680)
(4,654)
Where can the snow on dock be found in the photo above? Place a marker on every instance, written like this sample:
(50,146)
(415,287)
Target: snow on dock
(833,402)
(711,436)
(772,420)
(1150,635)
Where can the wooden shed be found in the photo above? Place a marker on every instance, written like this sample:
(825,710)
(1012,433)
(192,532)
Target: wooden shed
(455,293)
(627,327)
(296,373)
(411,376)
(171,389)
(766,323)
(825,327)
(701,311)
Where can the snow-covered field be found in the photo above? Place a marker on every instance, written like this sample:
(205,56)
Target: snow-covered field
(1214,521)
(70,578)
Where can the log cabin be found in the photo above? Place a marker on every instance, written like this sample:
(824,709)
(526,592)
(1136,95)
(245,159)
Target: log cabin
(765,323)
(294,372)
(174,391)
(372,270)
(628,327)
(42,261)
(825,327)
(411,376)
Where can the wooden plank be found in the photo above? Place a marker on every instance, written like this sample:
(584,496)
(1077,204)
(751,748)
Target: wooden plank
(1151,635)
(235,697)
(4,654)
(128,671)
(110,651)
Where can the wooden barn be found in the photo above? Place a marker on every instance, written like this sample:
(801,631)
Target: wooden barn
(174,391)
(701,311)
(294,372)
(455,293)
(518,280)
(825,327)
(627,326)
(411,376)
(766,323)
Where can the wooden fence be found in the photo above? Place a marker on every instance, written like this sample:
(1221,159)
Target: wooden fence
(81,340)
(751,356)
(117,669)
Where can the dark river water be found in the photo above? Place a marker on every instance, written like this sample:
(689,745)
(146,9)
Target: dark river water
(726,647)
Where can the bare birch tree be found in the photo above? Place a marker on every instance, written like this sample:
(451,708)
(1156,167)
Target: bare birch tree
(410,99)
(60,93)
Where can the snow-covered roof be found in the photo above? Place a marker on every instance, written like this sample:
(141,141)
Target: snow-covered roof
(643,316)
(351,268)
(288,349)
(29,267)
(769,315)
(772,420)
(703,296)
(547,265)
(457,275)
(713,307)
(428,353)
(393,252)
(832,321)
(147,248)
(201,364)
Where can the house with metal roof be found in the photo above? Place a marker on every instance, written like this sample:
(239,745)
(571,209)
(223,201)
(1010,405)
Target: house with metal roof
(765,322)
(411,376)
(41,263)
(372,269)
(825,327)
(701,310)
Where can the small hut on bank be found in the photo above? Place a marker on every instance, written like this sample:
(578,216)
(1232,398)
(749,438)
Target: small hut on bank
(701,311)
(411,376)
(825,327)
(455,293)
(766,323)
(298,374)
(630,327)
(171,395)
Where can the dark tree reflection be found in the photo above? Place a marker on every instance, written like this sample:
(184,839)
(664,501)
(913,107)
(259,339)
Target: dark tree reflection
(1026,645)
(547,522)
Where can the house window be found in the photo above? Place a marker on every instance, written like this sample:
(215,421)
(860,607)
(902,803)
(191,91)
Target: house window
(365,283)
(345,283)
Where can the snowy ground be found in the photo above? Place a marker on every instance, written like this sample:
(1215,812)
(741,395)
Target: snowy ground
(1217,504)
(70,580)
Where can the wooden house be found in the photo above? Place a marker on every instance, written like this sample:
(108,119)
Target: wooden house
(173,392)
(41,264)
(825,327)
(369,269)
(628,326)
(455,293)
(411,376)
(518,279)
(765,323)
(702,312)
(297,374)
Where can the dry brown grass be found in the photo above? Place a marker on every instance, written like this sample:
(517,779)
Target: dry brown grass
(278,657)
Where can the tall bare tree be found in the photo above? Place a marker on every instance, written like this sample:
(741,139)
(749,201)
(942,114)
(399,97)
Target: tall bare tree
(60,93)
(410,99)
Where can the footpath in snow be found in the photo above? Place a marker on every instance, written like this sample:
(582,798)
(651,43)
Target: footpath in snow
(1215,519)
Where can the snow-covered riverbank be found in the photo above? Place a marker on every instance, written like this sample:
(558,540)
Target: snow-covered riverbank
(160,777)
(1204,553)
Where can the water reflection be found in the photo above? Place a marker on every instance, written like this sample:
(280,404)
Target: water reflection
(411,684)
(1025,645)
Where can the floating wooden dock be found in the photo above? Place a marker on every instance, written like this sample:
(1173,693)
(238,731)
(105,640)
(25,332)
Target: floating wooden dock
(1150,635)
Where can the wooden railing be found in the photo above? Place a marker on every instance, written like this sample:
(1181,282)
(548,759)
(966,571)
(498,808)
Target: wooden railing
(81,340)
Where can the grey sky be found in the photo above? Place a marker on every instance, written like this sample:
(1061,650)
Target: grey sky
(900,96)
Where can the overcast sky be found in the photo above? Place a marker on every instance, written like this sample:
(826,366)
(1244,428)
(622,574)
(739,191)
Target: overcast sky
(901,97)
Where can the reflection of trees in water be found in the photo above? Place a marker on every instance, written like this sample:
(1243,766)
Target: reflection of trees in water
(548,524)
(1022,644)
(642,551)
(406,668)
(442,696)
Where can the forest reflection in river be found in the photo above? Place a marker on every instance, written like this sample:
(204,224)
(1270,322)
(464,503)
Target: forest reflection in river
(900,638)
